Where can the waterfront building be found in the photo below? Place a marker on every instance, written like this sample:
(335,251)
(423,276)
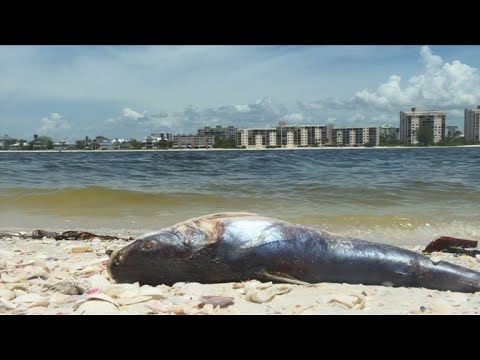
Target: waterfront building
(223,132)
(193,141)
(472,124)
(412,121)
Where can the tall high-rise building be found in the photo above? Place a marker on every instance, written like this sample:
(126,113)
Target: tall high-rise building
(472,124)
(412,121)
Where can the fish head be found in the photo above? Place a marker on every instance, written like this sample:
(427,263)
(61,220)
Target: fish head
(157,258)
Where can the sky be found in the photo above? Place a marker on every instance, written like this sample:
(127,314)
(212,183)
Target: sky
(131,91)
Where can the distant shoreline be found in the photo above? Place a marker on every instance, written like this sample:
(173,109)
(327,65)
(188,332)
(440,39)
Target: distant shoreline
(251,149)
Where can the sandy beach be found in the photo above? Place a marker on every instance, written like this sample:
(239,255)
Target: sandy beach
(70,277)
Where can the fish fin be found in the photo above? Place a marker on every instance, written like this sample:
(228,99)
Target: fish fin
(281,278)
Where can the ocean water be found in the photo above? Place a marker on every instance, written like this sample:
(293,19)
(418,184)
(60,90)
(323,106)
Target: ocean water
(396,196)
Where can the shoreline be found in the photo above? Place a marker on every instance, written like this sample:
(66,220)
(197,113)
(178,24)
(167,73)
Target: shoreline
(69,277)
(248,149)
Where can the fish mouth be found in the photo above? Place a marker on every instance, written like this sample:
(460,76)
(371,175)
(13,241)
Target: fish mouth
(114,261)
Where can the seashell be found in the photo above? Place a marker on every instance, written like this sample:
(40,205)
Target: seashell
(207,310)
(349,301)
(151,291)
(19,292)
(7,294)
(158,307)
(8,279)
(282,289)
(29,298)
(96,307)
(259,296)
(133,300)
(97,296)
(58,298)
(221,301)
(98,281)
(177,309)
(4,304)
(117,290)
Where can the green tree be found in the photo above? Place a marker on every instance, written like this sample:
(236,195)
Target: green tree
(388,141)
(135,144)
(424,136)
(224,144)
(45,141)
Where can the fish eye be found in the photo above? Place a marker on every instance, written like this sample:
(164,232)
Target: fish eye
(148,245)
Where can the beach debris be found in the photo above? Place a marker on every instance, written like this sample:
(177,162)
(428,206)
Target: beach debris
(81,249)
(435,259)
(7,294)
(40,234)
(260,293)
(4,235)
(443,243)
(66,288)
(350,301)
(221,301)
(83,235)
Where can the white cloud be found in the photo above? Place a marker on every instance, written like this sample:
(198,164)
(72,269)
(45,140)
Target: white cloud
(54,125)
(262,113)
(294,117)
(440,84)
(357,117)
(242,108)
(132,114)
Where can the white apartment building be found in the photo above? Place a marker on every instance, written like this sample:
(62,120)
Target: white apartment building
(256,138)
(356,136)
(472,124)
(412,121)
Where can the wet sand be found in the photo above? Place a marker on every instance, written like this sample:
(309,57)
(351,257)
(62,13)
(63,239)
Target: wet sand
(69,277)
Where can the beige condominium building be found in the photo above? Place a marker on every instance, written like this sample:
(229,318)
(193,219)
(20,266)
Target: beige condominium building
(361,136)
(412,121)
(472,124)
(294,136)
(286,136)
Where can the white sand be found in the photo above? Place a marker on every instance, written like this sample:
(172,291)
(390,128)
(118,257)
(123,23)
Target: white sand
(30,267)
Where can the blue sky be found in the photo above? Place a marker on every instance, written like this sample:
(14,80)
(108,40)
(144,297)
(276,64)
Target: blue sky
(132,91)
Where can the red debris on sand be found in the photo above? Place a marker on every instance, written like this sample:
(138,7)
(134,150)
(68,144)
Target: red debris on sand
(443,242)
